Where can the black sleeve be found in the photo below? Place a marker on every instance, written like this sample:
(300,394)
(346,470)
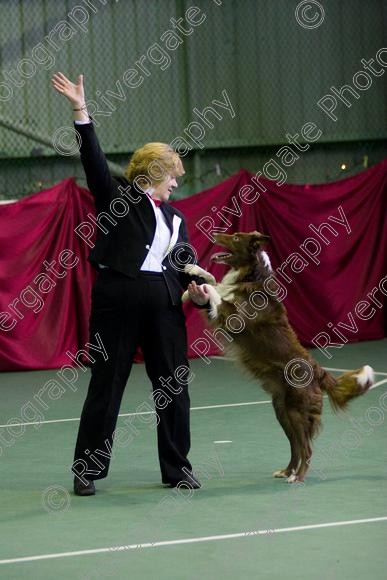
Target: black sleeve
(189,257)
(98,176)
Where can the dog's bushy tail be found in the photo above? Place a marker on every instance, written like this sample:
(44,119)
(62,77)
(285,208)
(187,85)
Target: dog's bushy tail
(342,389)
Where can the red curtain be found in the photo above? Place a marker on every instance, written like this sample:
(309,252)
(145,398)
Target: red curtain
(50,322)
(45,305)
(351,263)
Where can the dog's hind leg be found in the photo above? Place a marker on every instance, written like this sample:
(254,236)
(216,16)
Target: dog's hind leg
(285,423)
(308,425)
(311,420)
(301,449)
(306,454)
(291,468)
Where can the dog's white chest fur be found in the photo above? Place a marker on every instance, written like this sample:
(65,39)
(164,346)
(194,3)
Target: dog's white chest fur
(266,260)
(226,288)
(223,291)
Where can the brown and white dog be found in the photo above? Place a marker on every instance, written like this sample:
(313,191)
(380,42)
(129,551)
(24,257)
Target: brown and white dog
(246,307)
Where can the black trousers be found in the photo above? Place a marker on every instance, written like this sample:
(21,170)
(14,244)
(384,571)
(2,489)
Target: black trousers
(126,314)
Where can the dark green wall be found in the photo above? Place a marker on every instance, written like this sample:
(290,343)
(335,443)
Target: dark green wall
(273,71)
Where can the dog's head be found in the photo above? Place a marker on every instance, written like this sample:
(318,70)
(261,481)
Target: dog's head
(243,249)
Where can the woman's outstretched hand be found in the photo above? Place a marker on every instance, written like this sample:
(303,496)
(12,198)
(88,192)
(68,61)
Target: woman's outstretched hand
(198,294)
(73,92)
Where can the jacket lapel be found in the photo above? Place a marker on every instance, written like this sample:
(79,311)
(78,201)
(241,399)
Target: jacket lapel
(173,222)
(166,211)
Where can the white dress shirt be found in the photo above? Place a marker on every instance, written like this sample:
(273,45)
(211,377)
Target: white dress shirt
(160,243)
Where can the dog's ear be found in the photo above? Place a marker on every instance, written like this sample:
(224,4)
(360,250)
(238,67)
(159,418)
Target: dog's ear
(254,243)
(265,238)
(262,237)
(258,239)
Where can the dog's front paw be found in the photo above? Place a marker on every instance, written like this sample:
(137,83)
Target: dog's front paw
(213,312)
(195,270)
(215,301)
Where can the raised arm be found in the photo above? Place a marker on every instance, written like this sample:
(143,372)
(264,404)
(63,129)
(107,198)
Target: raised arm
(93,159)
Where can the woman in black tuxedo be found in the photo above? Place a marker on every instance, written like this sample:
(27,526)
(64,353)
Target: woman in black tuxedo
(140,253)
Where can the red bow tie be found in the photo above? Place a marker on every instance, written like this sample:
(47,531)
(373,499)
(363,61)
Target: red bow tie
(157,202)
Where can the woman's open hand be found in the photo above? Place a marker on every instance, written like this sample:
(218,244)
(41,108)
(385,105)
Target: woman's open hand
(73,92)
(198,294)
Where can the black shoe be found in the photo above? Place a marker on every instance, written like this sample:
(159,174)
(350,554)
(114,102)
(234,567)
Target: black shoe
(188,480)
(81,488)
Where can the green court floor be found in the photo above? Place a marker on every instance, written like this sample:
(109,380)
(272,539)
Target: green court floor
(241,524)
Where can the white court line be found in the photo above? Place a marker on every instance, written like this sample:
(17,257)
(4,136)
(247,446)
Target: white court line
(326,368)
(378,384)
(193,540)
(347,370)
(142,413)
(230,405)
(192,409)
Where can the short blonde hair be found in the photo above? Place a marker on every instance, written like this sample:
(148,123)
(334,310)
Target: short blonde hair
(153,163)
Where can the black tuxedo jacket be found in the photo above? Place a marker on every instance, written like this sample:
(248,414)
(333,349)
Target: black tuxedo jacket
(127,223)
